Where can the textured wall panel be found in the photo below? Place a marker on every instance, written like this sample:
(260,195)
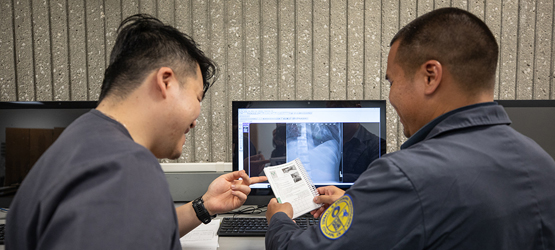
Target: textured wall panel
(407,13)
(220,105)
(373,50)
(477,7)
(543,50)
(442,4)
(493,20)
(234,51)
(287,50)
(266,49)
(129,8)
(525,58)
(148,7)
(461,4)
(96,51)
(552,75)
(60,57)
(321,38)
(113,19)
(204,121)
(183,16)
(7,63)
(425,6)
(42,50)
(508,50)
(355,50)
(77,51)
(338,50)
(24,51)
(166,11)
(304,52)
(252,49)
(234,67)
(269,48)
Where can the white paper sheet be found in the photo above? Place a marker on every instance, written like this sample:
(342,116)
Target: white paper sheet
(204,237)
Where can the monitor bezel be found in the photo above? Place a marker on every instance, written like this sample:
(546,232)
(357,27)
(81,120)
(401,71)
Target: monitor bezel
(236,105)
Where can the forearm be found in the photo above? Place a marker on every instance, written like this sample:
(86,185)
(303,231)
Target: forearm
(186,218)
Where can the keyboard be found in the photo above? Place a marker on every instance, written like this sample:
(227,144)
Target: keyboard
(255,226)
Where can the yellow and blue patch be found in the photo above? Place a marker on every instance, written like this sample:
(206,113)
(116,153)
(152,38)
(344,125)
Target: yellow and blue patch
(338,218)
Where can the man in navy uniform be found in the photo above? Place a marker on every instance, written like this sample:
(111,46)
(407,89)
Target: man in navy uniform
(463,180)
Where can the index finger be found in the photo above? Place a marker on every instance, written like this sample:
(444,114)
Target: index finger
(246,179)
(258,179)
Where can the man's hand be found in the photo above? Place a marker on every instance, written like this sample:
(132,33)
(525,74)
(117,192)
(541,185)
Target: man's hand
(328,195)
(228,192)
(274,207)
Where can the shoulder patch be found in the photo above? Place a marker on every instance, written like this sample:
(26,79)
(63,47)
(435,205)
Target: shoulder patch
(338,218)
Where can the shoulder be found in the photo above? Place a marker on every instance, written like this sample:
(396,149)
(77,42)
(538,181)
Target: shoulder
(93,149)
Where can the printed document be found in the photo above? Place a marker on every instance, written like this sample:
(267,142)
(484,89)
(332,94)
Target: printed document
(291,183)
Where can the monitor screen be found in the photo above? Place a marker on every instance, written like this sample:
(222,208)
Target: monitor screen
(27,129)
(535,119)
(335,140)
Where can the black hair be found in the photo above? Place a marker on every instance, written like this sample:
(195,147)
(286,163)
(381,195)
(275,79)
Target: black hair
(145,44)
(457,39)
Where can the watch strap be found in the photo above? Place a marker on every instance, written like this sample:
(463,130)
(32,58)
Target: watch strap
(200,210)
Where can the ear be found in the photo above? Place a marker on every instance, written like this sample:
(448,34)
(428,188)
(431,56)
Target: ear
(433,71)
(164,79)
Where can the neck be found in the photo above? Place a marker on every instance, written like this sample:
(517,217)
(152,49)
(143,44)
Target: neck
(111,116)
(461,100)
(441,104)
(132,115)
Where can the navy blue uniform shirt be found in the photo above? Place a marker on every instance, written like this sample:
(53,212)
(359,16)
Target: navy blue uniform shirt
(466,180)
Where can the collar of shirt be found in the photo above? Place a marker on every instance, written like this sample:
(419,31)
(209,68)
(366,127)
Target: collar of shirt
(496,115)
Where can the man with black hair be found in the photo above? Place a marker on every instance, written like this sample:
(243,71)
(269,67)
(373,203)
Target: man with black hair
(100,186)
(463,180)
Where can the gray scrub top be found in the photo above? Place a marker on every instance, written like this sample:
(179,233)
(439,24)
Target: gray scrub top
(94,188)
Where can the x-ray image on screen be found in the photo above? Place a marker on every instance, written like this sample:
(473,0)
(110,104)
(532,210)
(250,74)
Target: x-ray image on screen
(330,152)
(318,146)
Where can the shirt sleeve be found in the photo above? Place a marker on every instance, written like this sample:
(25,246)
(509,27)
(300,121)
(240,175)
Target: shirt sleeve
(386,214)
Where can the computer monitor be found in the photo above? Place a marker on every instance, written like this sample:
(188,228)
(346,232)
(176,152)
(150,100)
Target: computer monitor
(335,140)
(27,129)
(535,119)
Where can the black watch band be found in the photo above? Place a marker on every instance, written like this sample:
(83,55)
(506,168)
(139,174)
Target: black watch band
(200,210)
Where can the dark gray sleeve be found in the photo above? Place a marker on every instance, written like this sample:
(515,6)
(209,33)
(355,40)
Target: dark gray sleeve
(123,204)
(386,215)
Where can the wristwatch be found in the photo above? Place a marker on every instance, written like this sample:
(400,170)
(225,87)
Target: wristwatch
(200,210)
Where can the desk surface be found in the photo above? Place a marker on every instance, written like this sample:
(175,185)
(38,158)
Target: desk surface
(226,243)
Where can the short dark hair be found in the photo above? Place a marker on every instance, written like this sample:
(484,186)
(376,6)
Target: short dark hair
(457,39)
(145,44)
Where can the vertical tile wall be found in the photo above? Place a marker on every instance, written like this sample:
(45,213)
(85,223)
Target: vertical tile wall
(57,50)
